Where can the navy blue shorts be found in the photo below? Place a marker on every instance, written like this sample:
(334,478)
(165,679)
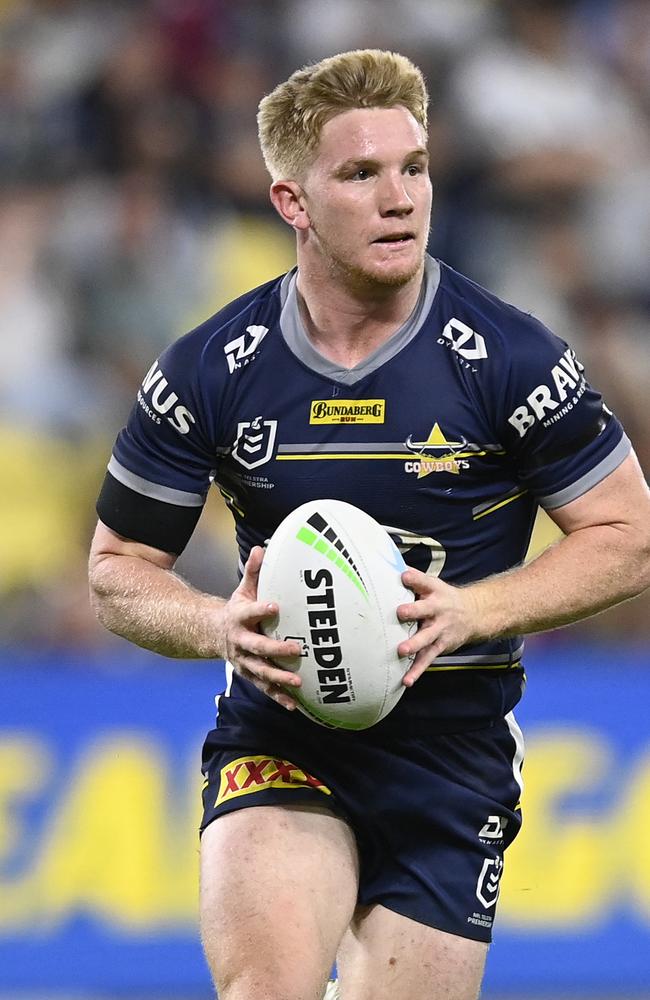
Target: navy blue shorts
(432,814)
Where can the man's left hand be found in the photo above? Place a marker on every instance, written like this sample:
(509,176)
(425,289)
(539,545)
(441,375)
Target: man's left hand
(446,619)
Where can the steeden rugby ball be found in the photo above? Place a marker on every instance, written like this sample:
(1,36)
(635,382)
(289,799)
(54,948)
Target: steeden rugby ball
(335,575)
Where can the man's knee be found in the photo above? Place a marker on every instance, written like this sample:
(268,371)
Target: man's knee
(255,966)
(387,956)
(274,983)
(289,962)
(278,889)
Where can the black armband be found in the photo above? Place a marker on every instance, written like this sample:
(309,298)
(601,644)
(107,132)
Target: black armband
(162,525)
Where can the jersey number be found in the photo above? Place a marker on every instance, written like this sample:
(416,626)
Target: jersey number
(419,551)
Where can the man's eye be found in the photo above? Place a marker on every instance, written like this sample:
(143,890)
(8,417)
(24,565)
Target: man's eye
(362,174)
(414,169)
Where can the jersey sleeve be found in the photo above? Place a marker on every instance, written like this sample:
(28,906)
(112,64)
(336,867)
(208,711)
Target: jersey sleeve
(163,461)
(556,427)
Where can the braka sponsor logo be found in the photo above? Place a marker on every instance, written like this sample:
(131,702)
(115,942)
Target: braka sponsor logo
(334,687)
(155,398)
(347,411)
(547,403)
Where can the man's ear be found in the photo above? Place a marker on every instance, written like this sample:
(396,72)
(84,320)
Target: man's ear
(289,202)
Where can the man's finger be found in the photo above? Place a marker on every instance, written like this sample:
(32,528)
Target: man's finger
(423,660)
(266,672)
(248,584)
(414,612)
(419,640)
(274,691)
(279,695)
(253,612)
(417,581)
(272,649)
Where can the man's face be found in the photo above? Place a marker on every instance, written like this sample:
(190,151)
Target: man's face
(368,196)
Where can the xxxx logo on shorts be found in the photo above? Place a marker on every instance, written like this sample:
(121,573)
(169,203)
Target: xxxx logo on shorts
(254,774)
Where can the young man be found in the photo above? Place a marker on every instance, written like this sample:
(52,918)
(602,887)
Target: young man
(374,374)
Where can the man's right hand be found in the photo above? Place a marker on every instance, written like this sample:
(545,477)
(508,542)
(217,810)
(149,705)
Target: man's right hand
(249,651)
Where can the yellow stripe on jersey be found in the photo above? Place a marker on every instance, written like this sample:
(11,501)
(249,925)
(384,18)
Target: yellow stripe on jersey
(405,456)
(315,457)
(496,506)
(230,500)
(474,666)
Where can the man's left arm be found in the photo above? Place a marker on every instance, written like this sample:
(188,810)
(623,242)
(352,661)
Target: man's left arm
(603,559)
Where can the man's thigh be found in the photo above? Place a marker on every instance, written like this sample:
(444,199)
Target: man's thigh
(278,888)
(385,956)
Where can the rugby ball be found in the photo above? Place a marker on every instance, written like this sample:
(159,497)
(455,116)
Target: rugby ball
(335,575)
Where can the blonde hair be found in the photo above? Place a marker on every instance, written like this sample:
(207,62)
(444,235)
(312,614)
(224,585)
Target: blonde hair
(290,119)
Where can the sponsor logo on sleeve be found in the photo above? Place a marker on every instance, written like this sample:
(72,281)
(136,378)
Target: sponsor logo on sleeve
(255,442)
(248,775)
(243,349)
(551,401)
(347,411)
(160,403)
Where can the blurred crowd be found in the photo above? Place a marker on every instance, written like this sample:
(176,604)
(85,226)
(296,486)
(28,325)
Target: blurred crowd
(134,203)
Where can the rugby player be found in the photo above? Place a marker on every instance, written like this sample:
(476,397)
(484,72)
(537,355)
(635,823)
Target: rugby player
(374,374)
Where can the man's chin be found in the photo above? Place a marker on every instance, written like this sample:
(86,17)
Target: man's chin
(390,273)
(397,277)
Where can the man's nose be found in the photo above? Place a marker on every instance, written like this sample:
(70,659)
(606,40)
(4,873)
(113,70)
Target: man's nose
(394,198)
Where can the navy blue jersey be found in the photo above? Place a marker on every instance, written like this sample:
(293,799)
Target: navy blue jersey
(450,435)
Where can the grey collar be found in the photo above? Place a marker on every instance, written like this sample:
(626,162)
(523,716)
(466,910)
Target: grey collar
(298,341)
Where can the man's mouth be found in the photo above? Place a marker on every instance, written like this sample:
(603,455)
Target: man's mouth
(395,238)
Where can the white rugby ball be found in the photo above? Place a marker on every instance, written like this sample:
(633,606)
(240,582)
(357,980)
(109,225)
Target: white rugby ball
(335,575)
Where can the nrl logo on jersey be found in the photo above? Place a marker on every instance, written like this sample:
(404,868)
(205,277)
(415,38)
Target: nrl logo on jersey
(242,350)
(487,887)
(255,442)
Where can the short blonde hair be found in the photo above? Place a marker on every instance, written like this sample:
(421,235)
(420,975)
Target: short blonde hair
(290,119)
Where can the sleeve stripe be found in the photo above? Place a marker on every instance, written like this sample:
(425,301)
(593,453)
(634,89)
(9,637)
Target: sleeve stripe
(590,479)
(153,490)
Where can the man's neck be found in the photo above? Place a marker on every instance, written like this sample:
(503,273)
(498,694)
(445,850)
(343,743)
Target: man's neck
(346,325)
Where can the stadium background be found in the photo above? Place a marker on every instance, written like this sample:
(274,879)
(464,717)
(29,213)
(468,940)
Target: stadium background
(133,203)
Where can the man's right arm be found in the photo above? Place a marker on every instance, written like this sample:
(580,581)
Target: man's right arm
(135,593)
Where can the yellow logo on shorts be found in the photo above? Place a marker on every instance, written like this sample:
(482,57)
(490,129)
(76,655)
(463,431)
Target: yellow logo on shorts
(254,774)
(347,411)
